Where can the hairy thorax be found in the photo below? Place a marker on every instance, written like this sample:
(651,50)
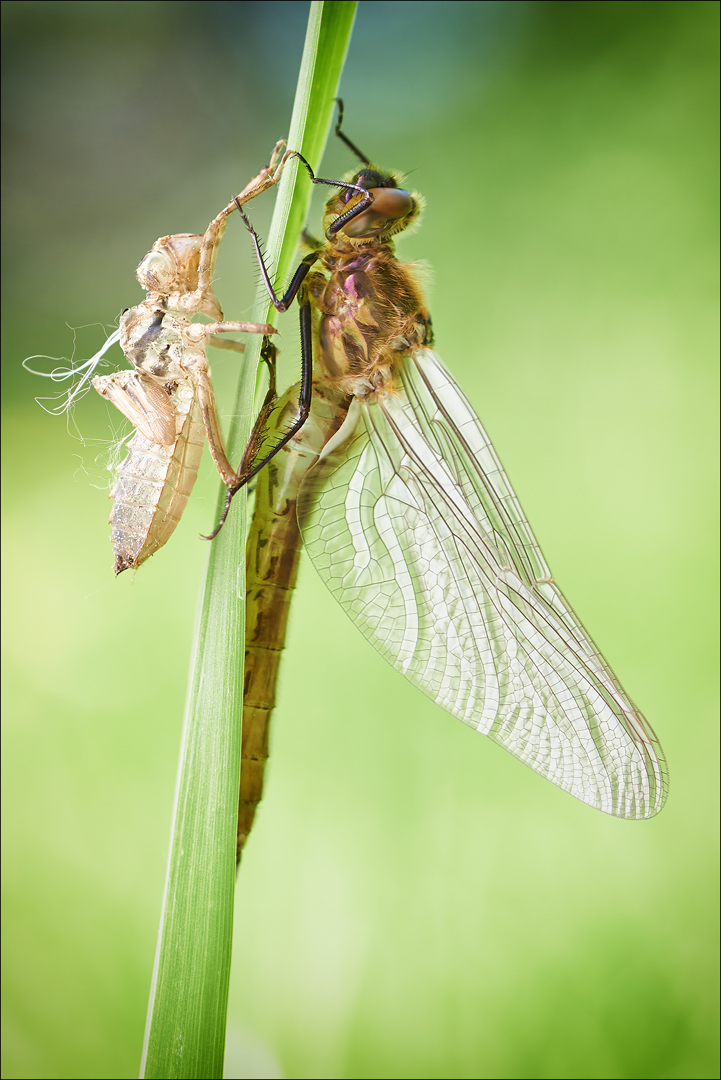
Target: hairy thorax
(370,313)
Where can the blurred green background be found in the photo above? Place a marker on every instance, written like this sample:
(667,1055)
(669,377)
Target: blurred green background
(413,902)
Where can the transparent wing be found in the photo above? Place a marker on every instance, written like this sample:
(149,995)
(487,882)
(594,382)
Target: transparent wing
(412,523)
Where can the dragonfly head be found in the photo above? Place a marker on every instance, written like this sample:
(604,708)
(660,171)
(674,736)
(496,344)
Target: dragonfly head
(393,208)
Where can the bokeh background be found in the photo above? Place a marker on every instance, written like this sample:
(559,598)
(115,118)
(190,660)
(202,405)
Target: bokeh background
(413,902)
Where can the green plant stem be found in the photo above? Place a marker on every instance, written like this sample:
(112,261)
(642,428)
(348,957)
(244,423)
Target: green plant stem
(185,1031)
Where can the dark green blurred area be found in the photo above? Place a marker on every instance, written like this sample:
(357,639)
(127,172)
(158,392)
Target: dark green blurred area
(413,902)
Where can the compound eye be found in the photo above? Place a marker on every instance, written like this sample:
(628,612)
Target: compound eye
(389,205)
(156,272)
(370,179)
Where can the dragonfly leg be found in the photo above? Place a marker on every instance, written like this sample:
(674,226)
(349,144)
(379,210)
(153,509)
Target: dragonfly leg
(344,138)
(208,408)
(209,413)
(311,242)
(220,343)
(229,327)
(342,219)
(268,354)
(249,468)
(266,178)
(306,392)
(281,303)
(199,335)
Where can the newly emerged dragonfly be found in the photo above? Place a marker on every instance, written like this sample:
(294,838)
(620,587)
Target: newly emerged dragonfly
(404,508)
(167,394)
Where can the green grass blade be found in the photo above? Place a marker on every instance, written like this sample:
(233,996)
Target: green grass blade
(185,1033)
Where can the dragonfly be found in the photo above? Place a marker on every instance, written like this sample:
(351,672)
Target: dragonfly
(388,479)
(167,394)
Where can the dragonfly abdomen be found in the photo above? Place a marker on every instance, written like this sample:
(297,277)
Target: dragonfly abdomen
(270,584)
(273,552)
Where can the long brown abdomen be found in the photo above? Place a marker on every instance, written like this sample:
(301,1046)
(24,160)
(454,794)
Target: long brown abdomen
(272,565)
(272,555)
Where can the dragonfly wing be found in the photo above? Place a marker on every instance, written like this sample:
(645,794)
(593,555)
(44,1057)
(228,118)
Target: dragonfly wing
(412,523)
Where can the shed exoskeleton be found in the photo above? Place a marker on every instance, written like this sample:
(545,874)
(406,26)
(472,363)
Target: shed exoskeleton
(167,394)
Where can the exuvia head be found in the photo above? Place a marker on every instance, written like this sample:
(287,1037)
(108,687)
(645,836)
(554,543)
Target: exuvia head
(170,270)
(171,265)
